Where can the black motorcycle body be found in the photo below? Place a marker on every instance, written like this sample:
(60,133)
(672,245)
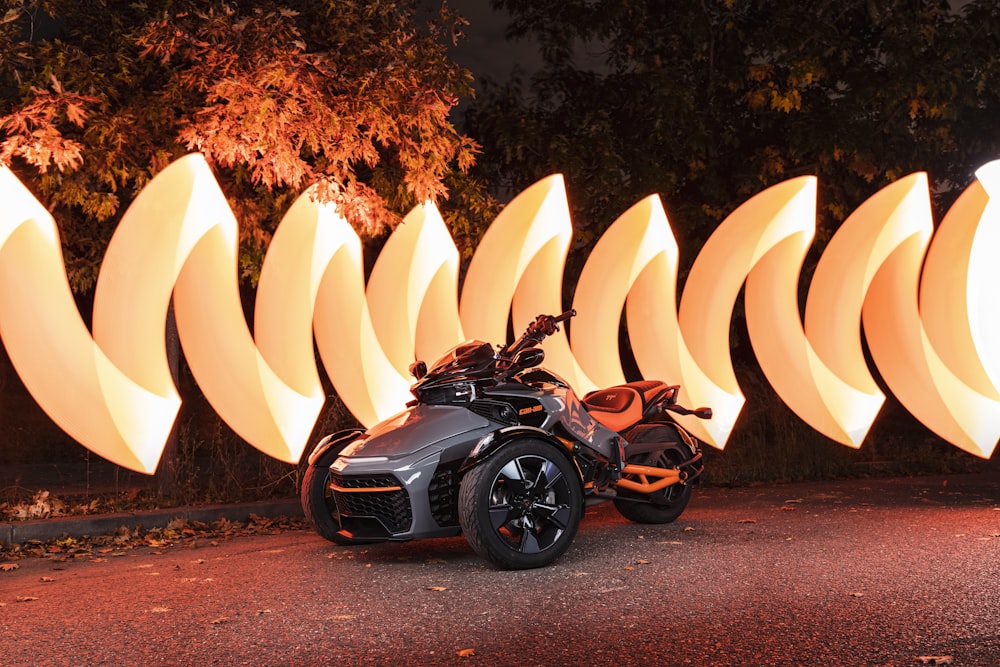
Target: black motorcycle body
(504,452)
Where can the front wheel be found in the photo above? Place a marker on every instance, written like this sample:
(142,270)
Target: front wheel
(521,508)
(661,506)
(319,505)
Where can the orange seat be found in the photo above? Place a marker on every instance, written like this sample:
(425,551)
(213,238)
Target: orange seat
(624,405)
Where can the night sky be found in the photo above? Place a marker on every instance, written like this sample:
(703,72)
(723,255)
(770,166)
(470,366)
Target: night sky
(483,50)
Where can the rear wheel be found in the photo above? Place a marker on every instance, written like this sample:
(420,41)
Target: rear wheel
(320,506)
(661,506)
(521,507)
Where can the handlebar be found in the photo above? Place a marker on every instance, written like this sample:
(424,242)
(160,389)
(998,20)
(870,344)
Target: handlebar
(565,316)
(547,324)
(544,325)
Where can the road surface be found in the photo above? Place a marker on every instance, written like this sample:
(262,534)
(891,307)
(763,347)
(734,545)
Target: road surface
(869,572)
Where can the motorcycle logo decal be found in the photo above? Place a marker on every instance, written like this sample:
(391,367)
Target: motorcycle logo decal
(577,420)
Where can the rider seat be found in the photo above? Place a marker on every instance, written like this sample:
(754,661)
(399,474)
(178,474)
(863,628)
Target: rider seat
(625,405)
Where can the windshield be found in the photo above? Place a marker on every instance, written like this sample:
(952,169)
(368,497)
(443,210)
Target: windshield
(473,356)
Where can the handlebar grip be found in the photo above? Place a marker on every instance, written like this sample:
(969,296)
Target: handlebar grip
(565,316)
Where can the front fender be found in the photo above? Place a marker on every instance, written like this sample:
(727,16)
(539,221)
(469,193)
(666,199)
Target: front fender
(327,449)
(496,440)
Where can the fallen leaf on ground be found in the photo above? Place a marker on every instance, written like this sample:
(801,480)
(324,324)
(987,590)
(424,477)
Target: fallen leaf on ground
(857,595)
(466,653)
(47,579)
(221,619)
(794,500)
(935,659)
(261,612)
(437,588)
(25,598)
(629,567)
(688,529)
(788,508)
(180,523)
(8,567)
(642,562)
(747,521)
(160,610)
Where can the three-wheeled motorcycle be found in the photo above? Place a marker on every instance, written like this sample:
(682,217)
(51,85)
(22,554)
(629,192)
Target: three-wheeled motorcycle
(503,451)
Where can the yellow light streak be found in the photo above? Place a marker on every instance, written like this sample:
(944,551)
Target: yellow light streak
(927,303)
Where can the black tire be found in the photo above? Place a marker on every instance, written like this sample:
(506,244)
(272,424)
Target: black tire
(521,507)
(662,506)
(320,507)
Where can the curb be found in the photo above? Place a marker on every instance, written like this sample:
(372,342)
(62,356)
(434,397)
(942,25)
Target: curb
(105,524)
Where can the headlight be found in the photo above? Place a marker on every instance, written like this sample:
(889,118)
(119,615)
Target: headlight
(449,394)
(347,455)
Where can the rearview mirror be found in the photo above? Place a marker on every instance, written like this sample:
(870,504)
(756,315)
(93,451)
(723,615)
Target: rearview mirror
(529,358)
(418,369)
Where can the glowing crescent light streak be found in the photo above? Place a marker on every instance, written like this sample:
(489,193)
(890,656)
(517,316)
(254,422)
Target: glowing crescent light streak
(923,381)
(763,243)
(634,264)
(639,241)
(113,391)
(819,372)
(361,372)
(413,290)
(518,268)
(367,341)
(180,235)
(123,419)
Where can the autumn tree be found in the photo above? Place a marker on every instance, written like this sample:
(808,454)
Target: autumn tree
(710,102)
(100,95)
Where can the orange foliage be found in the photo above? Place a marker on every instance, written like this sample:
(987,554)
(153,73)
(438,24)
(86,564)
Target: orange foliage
(298,105)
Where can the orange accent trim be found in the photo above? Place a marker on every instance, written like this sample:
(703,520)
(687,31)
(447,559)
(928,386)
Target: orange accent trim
(617,421)
(372,489)
(664,477)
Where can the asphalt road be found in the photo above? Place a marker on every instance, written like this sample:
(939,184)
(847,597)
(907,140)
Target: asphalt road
(867,573)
